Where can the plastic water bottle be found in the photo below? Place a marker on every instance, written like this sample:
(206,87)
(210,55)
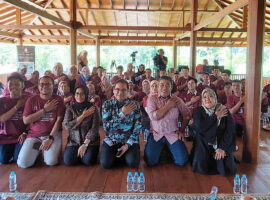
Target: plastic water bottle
(146,134)
(135,182)
(264,122)
(129,182)
(236,184)
(186,131)
(141,184)
(179,124)
(12,182)
(213,193)
(244,184)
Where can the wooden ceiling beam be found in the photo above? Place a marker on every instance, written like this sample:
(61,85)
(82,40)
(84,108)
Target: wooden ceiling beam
(10,35)
(92,27)
(37,11)
(86,33)
(139,38)
(226,11)
(134,10)
(221,7)
(134,28)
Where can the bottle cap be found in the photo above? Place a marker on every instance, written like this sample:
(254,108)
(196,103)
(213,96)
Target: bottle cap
(244,176)
(141,174)
(129,173)
(11,173)
(237,175)
(136,173)
(212,198)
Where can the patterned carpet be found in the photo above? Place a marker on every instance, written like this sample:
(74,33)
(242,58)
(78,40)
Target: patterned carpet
(43,195)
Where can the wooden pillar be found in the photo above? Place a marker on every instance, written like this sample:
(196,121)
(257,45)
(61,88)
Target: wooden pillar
(98,51)
(255,37)
(73,33)
(174,54)
(193,36)
(19,22)
(73,46)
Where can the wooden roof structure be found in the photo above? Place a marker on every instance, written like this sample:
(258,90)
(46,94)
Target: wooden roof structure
(126,22)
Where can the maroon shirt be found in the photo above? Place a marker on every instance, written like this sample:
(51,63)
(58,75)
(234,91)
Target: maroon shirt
(222,98)
(220,85)
(69,103)
(213,78)
(95,100)
(44,125)
(115,78)
(13,127)
(182,81)
(139,96)
(201,87)
(238,117)
(186,97)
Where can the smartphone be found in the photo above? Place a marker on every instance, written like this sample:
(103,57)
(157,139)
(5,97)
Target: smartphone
(118,153)
(37,145)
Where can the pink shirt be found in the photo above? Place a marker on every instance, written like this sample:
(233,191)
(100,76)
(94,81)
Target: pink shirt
(44,125)
(14,127)
(167,126)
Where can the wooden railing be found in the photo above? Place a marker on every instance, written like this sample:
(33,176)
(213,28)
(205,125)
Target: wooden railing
(238,76)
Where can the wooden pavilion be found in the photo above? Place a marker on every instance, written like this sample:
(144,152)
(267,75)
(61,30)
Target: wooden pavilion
(152,22)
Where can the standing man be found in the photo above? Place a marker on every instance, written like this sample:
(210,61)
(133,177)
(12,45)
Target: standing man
(43,113)
(12,129)
(122,123)
(160,61)
(164,110)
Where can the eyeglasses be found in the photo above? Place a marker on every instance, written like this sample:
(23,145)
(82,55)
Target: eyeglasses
(120,90)
(79,94)
(45,84)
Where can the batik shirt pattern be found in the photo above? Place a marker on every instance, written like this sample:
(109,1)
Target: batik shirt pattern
(121,128)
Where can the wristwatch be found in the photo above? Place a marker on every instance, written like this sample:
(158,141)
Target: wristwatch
(51,137)
(85,144)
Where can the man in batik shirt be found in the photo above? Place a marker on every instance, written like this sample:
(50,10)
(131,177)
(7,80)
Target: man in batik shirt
(122,123)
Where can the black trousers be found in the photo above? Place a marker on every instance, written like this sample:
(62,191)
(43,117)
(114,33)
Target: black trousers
(90,157)
(108,155)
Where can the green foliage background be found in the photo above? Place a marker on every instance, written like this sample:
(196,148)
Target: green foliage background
(233,58)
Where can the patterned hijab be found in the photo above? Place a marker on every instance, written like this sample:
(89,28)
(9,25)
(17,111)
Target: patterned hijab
(210,111)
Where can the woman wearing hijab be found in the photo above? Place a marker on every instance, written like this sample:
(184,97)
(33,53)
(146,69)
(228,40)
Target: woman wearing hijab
(82,122)
(214,142)
(85,76)
(139,74)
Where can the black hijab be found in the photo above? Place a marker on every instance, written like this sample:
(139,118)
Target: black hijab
(79,107)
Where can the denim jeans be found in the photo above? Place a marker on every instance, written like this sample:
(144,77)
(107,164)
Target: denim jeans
(9,152)
(108,155)
(153,149)
(90,157)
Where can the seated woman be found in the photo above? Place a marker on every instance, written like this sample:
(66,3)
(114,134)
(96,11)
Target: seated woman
(92,97)
(106,87)
(64,92)
(214,142)
(82,122)
(85,75)
(73,75)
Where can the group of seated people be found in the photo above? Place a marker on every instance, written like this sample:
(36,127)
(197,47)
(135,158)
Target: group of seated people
(32,117)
